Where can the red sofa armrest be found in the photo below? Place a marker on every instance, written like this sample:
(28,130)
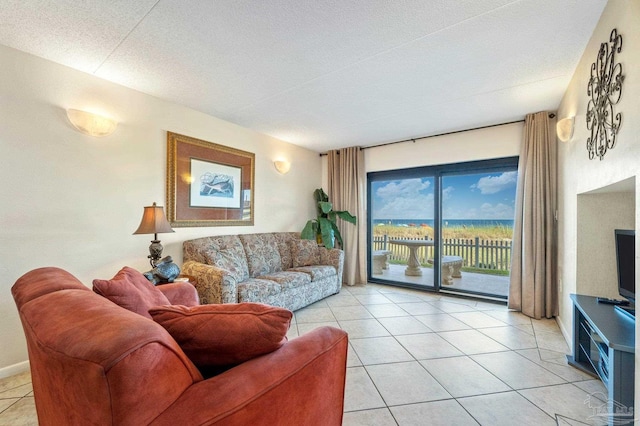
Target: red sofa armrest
(180,293)
(302,383)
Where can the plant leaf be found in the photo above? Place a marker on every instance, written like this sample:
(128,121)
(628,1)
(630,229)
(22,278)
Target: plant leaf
(310,230)
(345,215)
(326,229)
(325,223)
(325,206)
(337,234)
(320,195)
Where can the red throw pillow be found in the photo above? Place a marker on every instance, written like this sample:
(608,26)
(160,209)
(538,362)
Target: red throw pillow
(222,335)
(131,290)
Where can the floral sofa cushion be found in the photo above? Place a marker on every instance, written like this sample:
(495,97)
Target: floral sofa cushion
(231,261)
(289,279)
(255,289)
(262,253)
(283,240)
(316,272)
(305,253)
(224,251)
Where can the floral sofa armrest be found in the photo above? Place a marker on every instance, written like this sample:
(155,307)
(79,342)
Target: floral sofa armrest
(214,285)
(335,258)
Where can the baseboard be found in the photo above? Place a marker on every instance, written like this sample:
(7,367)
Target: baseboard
(14,369)
(567,336)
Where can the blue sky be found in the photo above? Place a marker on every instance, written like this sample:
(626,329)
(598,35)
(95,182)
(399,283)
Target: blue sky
(473,196)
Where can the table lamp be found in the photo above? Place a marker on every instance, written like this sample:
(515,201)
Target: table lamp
(154,222)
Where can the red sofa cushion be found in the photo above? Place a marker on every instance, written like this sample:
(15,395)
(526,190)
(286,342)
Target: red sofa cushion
(131,290)
(222,335)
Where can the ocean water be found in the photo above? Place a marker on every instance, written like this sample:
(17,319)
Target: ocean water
(450,223)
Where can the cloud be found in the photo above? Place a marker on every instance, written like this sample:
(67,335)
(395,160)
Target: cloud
(498,211)
(405,199)
(494,184)
(446,193)
(403,188)
(418,207)
(414,199)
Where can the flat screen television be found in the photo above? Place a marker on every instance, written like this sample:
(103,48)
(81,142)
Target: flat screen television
(626,263)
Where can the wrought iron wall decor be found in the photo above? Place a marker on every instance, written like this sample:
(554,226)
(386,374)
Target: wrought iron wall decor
(605,89)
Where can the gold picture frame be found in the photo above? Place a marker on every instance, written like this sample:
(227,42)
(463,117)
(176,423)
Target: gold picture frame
(208,184)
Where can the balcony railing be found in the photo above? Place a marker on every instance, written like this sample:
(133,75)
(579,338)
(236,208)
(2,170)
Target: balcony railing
(476,252)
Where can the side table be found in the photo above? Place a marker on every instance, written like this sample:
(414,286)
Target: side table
(186,278)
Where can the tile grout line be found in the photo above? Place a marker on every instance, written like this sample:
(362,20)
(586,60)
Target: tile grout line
(364,367)
(476,363)
(452,398)
(511,389)
(10,405)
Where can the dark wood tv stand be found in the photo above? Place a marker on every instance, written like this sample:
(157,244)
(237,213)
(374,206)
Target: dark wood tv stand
(604,346)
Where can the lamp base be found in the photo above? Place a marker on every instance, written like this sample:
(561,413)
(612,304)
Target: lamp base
(155,252)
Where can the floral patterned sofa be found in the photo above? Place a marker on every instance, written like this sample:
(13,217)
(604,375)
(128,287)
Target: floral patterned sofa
(277,269)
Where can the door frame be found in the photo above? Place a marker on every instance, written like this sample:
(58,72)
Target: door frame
(437,172)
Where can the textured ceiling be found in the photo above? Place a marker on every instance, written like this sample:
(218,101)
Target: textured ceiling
(322,73)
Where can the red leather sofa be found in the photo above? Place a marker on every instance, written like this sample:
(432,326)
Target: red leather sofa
(95,363)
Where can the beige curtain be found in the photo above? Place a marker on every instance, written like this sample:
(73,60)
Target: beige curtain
(347,192)
(533,288)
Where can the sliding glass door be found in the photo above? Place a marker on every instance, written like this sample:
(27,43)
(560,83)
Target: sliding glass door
(402,228)
(443,228)
(477,229)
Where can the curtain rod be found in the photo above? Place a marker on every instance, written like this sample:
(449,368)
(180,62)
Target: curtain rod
(551,115)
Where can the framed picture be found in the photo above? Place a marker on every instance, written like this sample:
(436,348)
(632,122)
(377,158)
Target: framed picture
(208,184)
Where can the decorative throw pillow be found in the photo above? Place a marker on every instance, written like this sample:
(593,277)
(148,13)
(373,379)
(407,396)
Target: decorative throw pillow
(131,290)
(228,334)
(262,253)
(234,262)
(305,253)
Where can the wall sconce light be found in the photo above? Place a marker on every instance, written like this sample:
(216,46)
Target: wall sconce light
(282,166)
(564,129)
(154,222)
(91,124)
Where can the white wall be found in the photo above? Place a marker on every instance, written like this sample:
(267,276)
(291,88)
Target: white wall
(73,201)
(598,214)
(579,175)
(482,144)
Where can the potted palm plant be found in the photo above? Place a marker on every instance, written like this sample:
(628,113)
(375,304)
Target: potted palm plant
(324,228)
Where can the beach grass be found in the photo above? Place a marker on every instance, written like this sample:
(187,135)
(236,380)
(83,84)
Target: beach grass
(495,232)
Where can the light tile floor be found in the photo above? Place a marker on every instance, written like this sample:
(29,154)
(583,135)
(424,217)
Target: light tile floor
(418,358)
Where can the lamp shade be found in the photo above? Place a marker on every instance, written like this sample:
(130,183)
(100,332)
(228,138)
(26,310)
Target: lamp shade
(153,221)
(91,124)
(282,166)
(564,129)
